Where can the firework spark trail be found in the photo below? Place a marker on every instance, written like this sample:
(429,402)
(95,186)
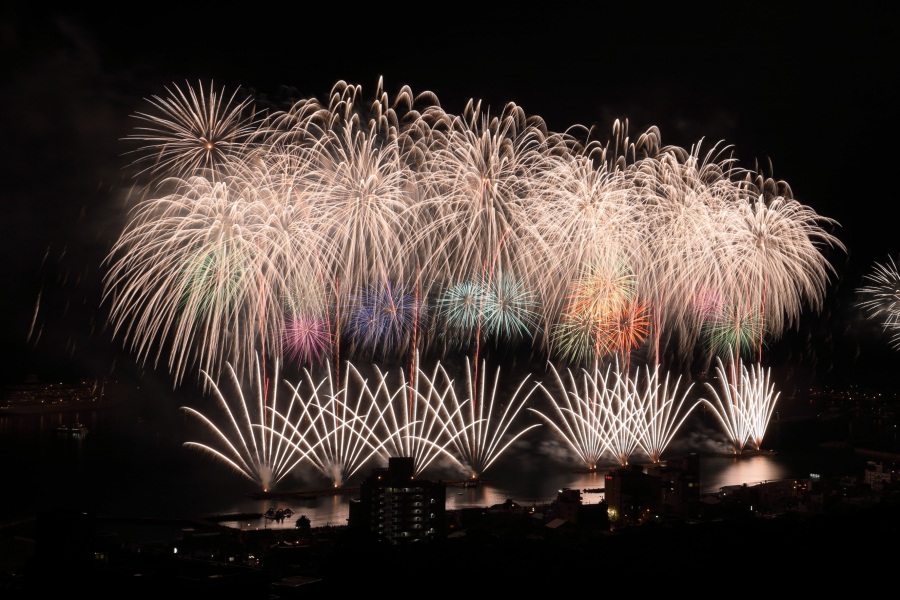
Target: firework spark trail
(459,311)
(255,455)
(661,412)
(777,258)
(880,298)
(195,132)
(412,425)
(743,404)
(587,216)
(579,418)
(340,435)
(204,272)
(479,197)
(481,430)
(683,196)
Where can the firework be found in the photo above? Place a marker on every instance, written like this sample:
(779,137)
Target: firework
(743,403)
(663,407)
(294,232)
(607,413)
(332,428)
(307,339)
(193,132)
(735,330)
(579,418)
(417,421)
(250,443)
(477,207)
(459,310)
(510,310)
(481,426)
(880,298)
(604,315)
(383,320)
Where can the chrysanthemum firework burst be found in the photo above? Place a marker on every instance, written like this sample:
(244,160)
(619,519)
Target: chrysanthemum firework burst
(196,132)
(880,298)
(383,320)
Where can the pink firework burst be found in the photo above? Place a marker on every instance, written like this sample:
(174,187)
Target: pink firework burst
(307,339)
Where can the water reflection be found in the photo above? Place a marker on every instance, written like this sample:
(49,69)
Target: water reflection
(131,465)
(333,510)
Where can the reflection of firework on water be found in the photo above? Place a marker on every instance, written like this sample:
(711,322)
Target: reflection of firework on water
(249,443)
(743,403)
(880,298)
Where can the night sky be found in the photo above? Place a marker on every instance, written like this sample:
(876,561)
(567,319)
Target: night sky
(811,97)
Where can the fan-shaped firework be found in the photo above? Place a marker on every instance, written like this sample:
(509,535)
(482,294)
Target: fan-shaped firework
(663,406)
(743,402)
(480,425)
(607,413)
(580,417)
(332,429)
(250,443)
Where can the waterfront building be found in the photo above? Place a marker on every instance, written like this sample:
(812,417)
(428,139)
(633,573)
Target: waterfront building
(399,508)
(631,495)
(878,474)
(679,484)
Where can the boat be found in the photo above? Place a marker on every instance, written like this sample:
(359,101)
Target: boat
(71,429)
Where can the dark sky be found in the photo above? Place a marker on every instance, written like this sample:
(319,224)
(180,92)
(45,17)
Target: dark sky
(812,94)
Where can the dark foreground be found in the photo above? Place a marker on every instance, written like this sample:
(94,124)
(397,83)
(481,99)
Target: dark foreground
(496,552)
